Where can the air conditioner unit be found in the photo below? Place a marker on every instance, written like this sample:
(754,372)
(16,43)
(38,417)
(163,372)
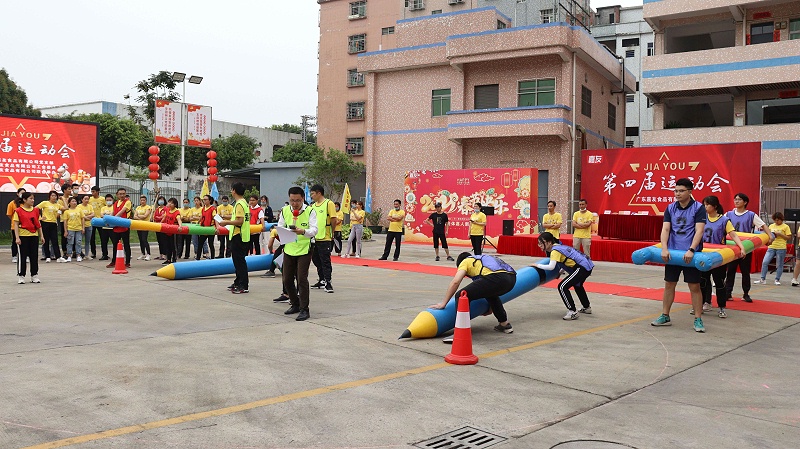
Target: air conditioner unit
(454,2)
(354,16)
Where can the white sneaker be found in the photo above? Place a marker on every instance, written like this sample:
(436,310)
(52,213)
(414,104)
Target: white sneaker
(13,260)
(795,283)
(35,279)
(21,280)
(777,282)
(80,259)
(47,260)
(358,256)
(69,259)
(61,260)
(140,257)
(707,307)
(147,257)
(760,281)
(570,315)
(586,310)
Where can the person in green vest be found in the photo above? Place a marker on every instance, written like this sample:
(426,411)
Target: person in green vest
(302,220)
(323,241)
(239,236)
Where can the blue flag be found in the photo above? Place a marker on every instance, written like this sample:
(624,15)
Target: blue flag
(214,192)
(308,194)
(368,201)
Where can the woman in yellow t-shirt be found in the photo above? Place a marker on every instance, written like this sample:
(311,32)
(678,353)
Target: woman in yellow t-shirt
(50,211)
(357,215)
(777,249)
(477,229)
(73,230)
(88,213)
(143,212)
(337,230)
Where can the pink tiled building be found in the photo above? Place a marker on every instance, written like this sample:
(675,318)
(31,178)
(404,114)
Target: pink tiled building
(727,71)
(464,89)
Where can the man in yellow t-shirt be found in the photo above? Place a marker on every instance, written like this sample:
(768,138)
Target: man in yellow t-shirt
(323,241)
(582,228)
(477,229)
(12,206)
(552,220)
(97,202)
(395,231)
(225,210)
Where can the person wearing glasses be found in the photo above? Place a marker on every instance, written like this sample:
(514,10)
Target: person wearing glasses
(743,220)
(684,223)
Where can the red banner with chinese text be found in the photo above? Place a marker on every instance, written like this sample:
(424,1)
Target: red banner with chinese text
(169,119)
(642,180)
(199,126)
(43,154)
(508,190)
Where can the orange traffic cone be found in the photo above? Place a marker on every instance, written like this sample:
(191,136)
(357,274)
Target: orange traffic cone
(461,352)
(119,268)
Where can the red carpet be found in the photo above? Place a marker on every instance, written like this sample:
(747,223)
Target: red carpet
(765,307)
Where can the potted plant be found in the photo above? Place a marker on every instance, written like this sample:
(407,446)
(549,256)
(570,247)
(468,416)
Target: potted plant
(374,219)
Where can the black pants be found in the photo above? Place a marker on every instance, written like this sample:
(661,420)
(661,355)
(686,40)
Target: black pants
(255,245)
(162,247)
(50,232)
(144,245)
(126,243)
(491,287)
(170,247)
(321,256)
(222,240)
(93,243)
(295,269)
(201,241)
(105,236)
(184,245)
(62,237)
(439,238)
(396,236)
(718,274)
(574,280)
(477,244)
(337,242)
(238,253)
(28,249)
(14,251)
(743,265)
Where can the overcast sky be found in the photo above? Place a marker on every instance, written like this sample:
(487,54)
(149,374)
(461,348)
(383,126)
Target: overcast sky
(258,57)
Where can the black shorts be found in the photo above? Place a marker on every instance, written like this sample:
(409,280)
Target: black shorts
(439,238)
(672,273)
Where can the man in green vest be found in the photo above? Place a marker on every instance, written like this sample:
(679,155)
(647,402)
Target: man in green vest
(323,241)
(302,220)
(239,235)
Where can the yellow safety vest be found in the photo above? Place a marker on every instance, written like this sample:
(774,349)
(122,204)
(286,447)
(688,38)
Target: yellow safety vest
(303,243)
(244,229)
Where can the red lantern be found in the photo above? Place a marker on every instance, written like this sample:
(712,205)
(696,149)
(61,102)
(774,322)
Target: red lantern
(212,171)
(211,154)
(154,159)
(212,178)
(212,162)
(153,167)
(153,149)
(153,175)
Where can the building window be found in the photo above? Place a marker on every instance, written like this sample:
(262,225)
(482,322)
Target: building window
(355,111)
(415,4)
(586,101)
(794,29)
(354,78)
(440,102)
(358,9)
(630,53)
(547,15)
(773,112)
(536,92)
(633,42)
(761,33)
(612,117)
(628,144)
(501,25)
(649,103)
(487,96)
(632,131)
(650,50)
(387,31)
(637,86)
(629,98)
(436,11)
(357,43)
(354,146)
(611,18)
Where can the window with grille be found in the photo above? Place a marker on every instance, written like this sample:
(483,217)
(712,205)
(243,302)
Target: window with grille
(440,102)
(761,33)
(539,92)
(436,11)
(629,98)
(355,111)
(358,9)
(387,31)
(354,78)
(354,146)
(630,53)
(487,96)
(628,144)
(357,43)
(650,50)
(632,131)
(547,15)
(501,25)
(586,101)
(612,117)
(794,29)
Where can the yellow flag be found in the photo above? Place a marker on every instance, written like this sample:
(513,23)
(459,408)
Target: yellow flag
(204,191)
(346,199)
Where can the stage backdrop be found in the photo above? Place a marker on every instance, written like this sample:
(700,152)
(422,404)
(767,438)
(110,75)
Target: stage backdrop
(509,190)
(642,180)
(43,154)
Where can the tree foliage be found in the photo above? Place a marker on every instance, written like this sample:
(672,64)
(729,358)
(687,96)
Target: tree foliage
(311,136)
(332,170)
(157,86)
(13,99)
(233,152)
(296,152)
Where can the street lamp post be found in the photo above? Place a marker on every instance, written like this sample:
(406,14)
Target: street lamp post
(181,78)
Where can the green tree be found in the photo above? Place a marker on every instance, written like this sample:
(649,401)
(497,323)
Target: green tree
(158,85)
(332,170)
(14,100)
(233,152)
(297,129)
(296,152)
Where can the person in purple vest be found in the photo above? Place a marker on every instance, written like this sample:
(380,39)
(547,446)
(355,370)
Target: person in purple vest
(718,228)
(684,223)
(743,220)
(577,266)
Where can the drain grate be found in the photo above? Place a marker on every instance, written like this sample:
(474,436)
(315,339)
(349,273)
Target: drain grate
(463,438)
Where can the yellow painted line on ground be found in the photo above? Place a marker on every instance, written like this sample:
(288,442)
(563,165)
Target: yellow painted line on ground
(315,392)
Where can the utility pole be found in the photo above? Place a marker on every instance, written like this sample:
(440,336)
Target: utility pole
(307,122)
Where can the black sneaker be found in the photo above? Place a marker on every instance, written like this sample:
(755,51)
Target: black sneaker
(395,259)
(103,258)
(328,287)
(450,259)
(268,274)
(304,315)
(232,286)
(239,291)
(505,329)
(746,298)
(383,258)
(319,284)
(437,258)
(281,299)
(292,310)
(166,262)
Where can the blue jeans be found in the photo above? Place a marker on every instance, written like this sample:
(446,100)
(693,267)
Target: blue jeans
(74,240)
(781,255)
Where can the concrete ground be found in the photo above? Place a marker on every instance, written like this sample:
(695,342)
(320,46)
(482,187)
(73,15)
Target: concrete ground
(93,360)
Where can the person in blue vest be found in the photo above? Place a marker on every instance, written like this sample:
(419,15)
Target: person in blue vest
(301,219)
(718,228)
(577,266)
(684,224)
(491,278)
(743,220)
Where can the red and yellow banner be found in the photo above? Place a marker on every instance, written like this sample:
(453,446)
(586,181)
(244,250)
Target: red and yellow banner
(509,191)
(642,180)
(199,126)
(43,154)
(168,122)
